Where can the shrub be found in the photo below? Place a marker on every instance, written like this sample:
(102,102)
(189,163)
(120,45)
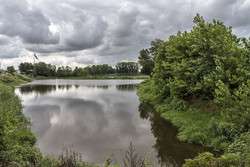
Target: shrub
(205,160)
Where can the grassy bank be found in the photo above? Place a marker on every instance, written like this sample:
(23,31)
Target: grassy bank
(14,80)
(199,125)
(16,139)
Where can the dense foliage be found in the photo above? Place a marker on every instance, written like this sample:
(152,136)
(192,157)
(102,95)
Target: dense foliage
(146,57)
(127,68)
(99,69)
(11,70)
(42,69)
(26,68)
(201,82)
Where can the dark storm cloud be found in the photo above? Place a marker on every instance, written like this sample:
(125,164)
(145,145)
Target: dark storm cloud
(29,24)
(125,28)
(4,40)
(88,33)
(110,31)
(232,12)
(127,36)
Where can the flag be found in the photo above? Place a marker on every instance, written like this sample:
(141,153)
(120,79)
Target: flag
(36,56)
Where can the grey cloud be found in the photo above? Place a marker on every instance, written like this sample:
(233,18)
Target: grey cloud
(4,40)
(85,61)
(125,27)
(124,38)
(88,33)
(8,52)
(30,25)
(232,12)
(112,30)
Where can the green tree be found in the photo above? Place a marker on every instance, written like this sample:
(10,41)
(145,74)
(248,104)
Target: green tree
(68,71)
(79,72)
(147,56)
(11,70)
(146,62)
(52,70)
(208,62)
(26,67)
(99,69)
(61,71)
(154,45)
(127,68)
(41,69)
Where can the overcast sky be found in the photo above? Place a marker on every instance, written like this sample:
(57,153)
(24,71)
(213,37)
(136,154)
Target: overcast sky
(83,32)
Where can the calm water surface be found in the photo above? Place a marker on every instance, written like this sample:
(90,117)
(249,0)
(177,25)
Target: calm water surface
(98,118)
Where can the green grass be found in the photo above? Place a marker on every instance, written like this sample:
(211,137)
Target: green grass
(14,80)
(15,138)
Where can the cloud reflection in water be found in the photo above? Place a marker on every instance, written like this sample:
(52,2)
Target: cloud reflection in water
(94,119)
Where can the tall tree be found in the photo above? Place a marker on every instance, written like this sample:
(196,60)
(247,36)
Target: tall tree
(11,70)
(147,56)
(26,67)
(208,62)
(41,69)
(146,62)
(127,68)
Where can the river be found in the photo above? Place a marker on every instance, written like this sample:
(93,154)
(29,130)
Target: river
(98,118)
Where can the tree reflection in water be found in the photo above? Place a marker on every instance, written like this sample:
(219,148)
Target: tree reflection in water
(44,89)
(127,87)
(168,148)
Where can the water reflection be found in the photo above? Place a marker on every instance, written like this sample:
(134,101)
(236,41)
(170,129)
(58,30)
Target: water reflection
(99,86)
(97,120)
(65,87)
(169,149)
(129,87)
(42,89)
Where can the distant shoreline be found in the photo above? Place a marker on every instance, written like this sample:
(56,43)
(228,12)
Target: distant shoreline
(97,77)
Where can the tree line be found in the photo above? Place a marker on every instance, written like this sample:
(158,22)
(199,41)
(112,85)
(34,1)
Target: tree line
(49,70)
(145,66)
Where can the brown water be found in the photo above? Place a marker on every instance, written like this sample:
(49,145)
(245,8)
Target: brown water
(99,118)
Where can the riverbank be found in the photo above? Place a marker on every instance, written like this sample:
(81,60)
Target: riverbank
(14,80)
(199,125)
(17,140)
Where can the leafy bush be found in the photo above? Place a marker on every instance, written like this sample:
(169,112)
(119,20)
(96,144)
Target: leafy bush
(205,160)
(208,64)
